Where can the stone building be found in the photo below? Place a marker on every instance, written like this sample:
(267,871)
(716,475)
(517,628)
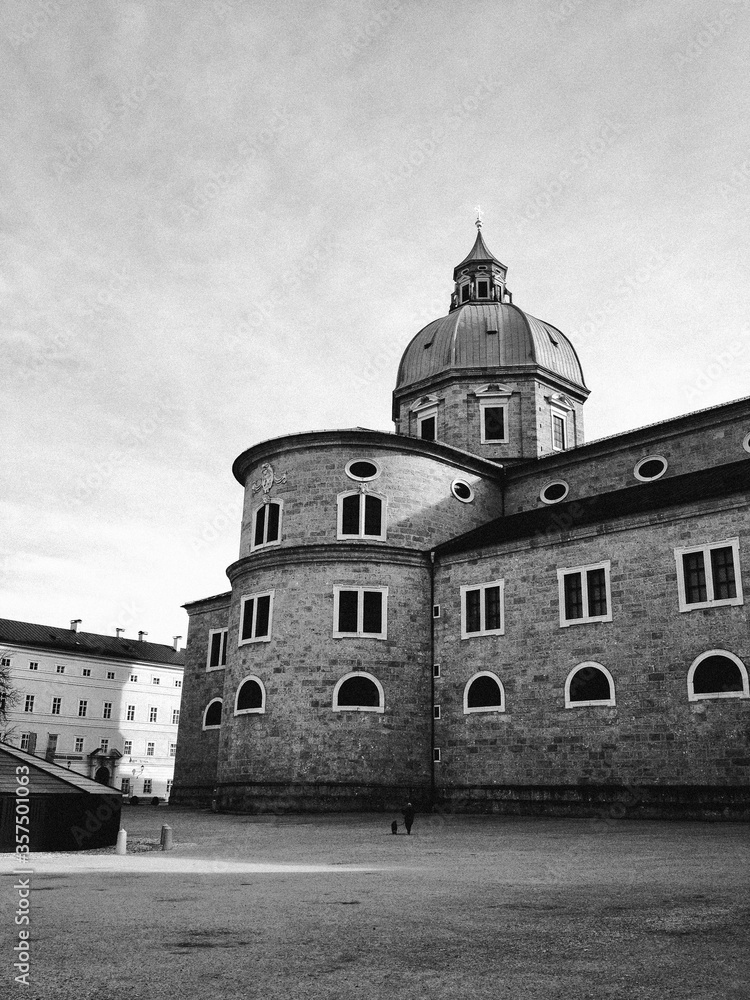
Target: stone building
(481,612)
(104,706)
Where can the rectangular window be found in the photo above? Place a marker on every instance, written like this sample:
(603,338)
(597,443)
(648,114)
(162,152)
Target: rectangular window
(56,706)
(107,710)
(128,747)
(436,754)
(172,749)
(708,576)
(155,680)
(465,292)
(29,703)
(5,661)
(482,609)
(33,665)
(178,684)
(361,515)
(150,747)
(152,714)
(79,744)
(104,746)
(25,738)
(134,678)
(130,713)
(82,709)
(267,524)
(169,786)
(217,648)
(360,611)
(110,675)
(483,289)
(559,432)
(175,716)
(125,786)
(584,594)
(147,786)
(436,670)
(60,668)
(494,426)
(256,617)
(86,672)
(436,712)
(427,426)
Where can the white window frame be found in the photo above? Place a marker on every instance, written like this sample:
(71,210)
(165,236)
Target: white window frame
(484,708)
(83,708)
(602,702)
(79,744)
(148,786)
(175,716)
(205,713)
(497,403)
(152,751)
(60,668)
(254,597)
(104,746)
(127,748)
(359,634)
(56,704)
(586,619)
(24,741)
(361,536)
(734,544)
(482,609)
(153,713)
(556,411)
(378,709)
(251,711)
(423,416)
(223,647)
(693,696)
(107,710)
(130,713)
(28,705)
(275,541)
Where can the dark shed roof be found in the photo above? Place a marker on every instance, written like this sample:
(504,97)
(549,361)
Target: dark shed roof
(693,487)
(66,640)
(45,778)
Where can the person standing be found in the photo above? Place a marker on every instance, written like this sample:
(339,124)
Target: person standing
(408,816)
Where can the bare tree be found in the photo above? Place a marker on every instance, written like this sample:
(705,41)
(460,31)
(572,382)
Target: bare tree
(9,698)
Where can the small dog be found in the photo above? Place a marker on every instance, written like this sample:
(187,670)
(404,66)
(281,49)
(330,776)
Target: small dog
(394,827)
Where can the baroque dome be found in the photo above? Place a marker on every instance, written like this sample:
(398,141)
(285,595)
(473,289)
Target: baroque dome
(488,335)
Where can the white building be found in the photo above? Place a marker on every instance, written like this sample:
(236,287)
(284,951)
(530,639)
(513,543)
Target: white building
(107,707)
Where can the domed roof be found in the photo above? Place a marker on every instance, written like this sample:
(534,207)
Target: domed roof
(488,335)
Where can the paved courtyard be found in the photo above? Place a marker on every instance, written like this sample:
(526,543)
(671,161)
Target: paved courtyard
(335,906)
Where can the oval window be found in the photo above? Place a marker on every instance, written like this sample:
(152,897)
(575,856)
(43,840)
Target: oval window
(746,442)
(554,492)
(462,491)
(650,468)
(362,470)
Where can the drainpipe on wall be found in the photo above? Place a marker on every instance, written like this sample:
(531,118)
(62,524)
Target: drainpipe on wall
(432,680)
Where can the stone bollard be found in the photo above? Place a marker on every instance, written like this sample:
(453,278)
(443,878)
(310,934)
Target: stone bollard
(122,842)
(166,838)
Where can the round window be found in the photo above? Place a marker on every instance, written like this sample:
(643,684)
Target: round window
(362,470)
(650,468)
(462,491)
(554,492)
(746,442)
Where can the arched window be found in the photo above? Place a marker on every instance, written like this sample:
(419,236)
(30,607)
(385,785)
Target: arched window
(212,714)
(250,697)
(267,524)
(358,692)
(717,674)
(361,515)
(589,684)
(484,693)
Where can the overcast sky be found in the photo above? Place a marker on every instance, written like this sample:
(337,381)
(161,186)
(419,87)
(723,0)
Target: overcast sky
(224,221)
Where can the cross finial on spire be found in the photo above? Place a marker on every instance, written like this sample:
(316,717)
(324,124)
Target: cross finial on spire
(478,223)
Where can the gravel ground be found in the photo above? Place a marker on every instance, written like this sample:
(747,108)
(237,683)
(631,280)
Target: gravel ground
(335,906)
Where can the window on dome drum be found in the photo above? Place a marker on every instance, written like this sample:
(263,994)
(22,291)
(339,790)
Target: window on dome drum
(267,524)
(559,432)
(717,674)
(493,425)
(212,714)
(483,289)
(360,611)
(427,426)
(484,693)
(361,515)
(251,696)
(217,648)
(465,292)
(362,469)
(584,593)
(482,609)
(708,576)
(589,684)
(358,692)
(256,618)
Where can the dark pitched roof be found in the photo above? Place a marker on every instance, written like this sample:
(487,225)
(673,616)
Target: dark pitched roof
(45,777)
(693,487)
(87,643)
